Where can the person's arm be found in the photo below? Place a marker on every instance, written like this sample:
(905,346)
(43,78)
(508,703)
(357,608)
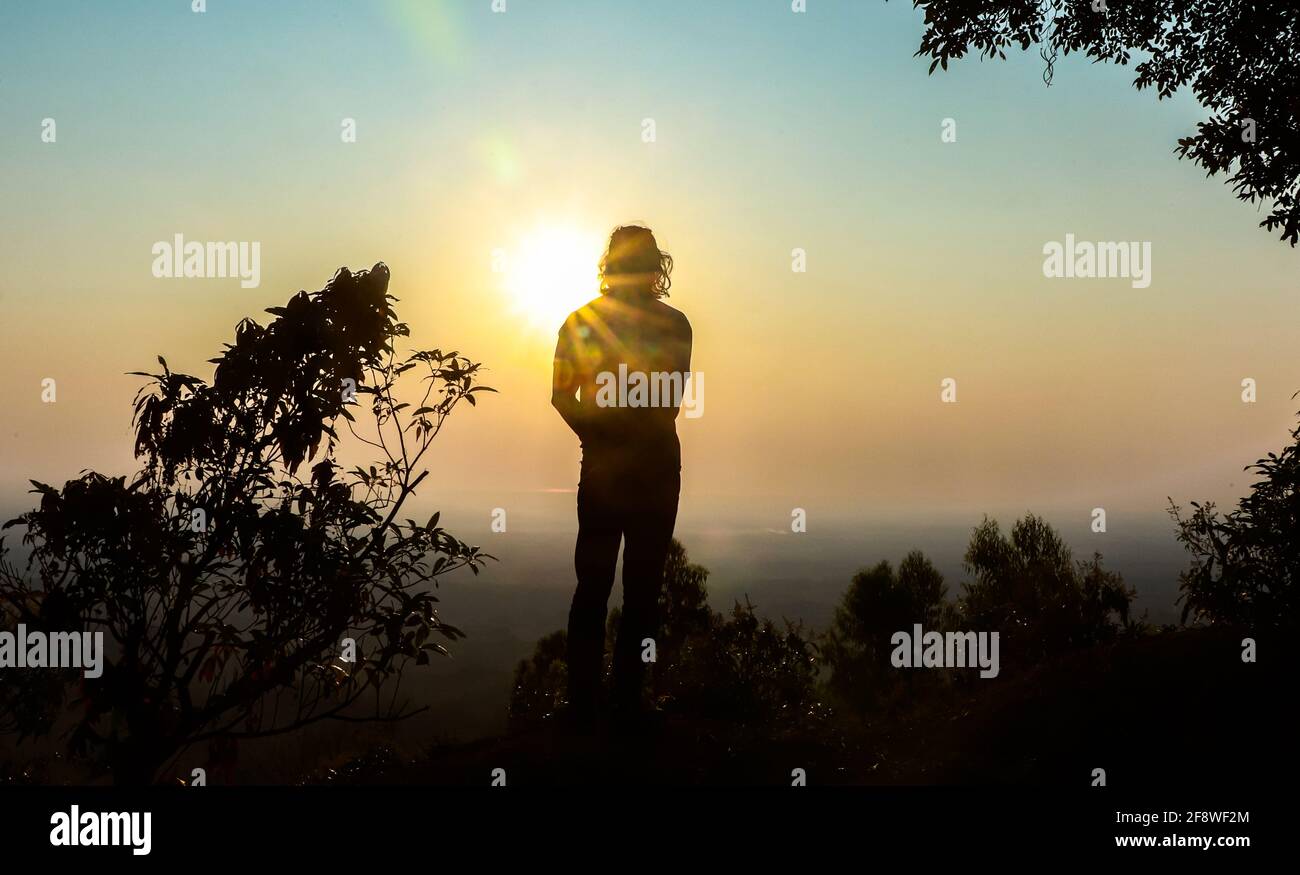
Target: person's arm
(565,381)
(683,356)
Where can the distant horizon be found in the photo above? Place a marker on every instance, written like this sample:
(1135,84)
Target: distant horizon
(744,550)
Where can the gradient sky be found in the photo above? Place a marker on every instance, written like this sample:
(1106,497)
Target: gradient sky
(481,131)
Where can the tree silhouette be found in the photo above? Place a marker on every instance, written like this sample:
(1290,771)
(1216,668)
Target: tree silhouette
(1241,59)
(1245,566)
(225,583)
(540,682)
(878,603)
(742,668)
(1030,590)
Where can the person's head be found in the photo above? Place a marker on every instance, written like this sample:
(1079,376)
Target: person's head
(633,261)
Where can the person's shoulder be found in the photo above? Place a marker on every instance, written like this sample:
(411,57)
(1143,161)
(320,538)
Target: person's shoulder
(582,315)
(673,316)
(668,313)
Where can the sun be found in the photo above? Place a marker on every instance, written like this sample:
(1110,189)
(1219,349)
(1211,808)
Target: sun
(551,272)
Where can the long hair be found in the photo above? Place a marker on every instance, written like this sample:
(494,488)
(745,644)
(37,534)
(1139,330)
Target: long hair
(634,259)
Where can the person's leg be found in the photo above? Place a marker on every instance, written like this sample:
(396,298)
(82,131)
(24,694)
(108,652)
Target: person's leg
(649,531)
(595,558)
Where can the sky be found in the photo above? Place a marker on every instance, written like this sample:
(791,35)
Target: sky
(486,139)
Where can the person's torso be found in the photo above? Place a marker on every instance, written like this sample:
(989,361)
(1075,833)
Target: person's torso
(631,358)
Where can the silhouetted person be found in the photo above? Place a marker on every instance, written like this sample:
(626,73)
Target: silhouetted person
(631,458)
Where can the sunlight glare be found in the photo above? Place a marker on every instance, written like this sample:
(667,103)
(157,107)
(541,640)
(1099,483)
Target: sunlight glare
(551,273)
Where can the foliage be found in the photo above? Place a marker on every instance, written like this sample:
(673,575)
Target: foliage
(1029,589)
(741,668)
(224,581)
(1246,564)
(1241,59)
(877,604)
(540,682)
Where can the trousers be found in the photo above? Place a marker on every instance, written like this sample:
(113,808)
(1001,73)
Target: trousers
(634,505)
